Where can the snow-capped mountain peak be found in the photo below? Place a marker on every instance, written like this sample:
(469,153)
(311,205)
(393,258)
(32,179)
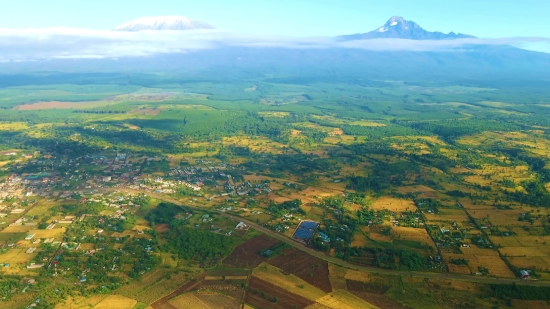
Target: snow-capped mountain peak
(399,28)
(163,23)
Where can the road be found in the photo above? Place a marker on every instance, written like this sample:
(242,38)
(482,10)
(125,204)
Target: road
(339,262)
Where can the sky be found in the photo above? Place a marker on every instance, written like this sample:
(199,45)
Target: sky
(482,18)
(46,29)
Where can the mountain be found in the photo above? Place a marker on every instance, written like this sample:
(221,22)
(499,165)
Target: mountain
(489,62)
(163,23)
(399,28)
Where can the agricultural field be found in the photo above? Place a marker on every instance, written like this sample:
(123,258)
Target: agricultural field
(246,254)
(187,194)
(305,267)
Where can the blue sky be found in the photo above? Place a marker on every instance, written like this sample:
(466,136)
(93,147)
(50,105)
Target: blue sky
(483,18)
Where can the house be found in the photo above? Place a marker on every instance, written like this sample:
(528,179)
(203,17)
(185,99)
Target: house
(524,274)
(242,225)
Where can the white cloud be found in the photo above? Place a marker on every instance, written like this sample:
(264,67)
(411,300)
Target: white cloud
(55,43)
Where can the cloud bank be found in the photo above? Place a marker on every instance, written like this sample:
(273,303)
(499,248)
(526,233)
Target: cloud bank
(59,43)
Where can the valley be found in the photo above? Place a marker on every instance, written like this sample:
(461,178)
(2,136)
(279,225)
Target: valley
(274,194)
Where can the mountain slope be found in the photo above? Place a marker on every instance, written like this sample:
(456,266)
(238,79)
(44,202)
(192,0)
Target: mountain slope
(163,23)
(399,28)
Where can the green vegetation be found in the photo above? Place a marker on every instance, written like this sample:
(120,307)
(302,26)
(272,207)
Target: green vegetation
(442,177)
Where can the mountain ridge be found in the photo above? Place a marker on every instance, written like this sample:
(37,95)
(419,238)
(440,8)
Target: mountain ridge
(399,28)
(163,23)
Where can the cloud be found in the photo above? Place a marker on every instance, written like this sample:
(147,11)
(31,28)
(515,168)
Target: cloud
(70,43)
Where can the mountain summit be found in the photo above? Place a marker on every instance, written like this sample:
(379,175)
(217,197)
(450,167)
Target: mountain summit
(163,23)
(399,28)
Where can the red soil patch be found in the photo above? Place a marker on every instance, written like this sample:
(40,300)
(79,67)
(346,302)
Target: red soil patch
(265,300)
(430,194)
(145,111)
(162,228)
(308,268)
(246,255)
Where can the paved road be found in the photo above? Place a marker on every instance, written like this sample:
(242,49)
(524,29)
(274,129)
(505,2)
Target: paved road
(339,262)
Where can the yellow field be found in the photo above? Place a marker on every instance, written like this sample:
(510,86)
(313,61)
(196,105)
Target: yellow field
(533,241)
(187,301)
(448,215)
(16,229)
(459,269)
(496,266)
(508,241)
(380,238)
(341,299)
(359,240)
(81,302)
(357,275)
(47,233)
(316,306)
(497,216)
(14,257)
(13,126)
(541,263)
(393,204)
(473,250)
(337,277)
(411,189)
(116,301)
(148,279)
(525,251)
(163,287)
(257,144)
(292,283)
(414,234)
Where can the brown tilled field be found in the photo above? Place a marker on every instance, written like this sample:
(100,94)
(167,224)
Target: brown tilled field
(304,266)
(261,294)
(162,228)
(246,255)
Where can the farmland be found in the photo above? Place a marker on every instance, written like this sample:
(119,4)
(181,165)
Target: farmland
(190,195)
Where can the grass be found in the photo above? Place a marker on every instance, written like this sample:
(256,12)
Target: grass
(140,305)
